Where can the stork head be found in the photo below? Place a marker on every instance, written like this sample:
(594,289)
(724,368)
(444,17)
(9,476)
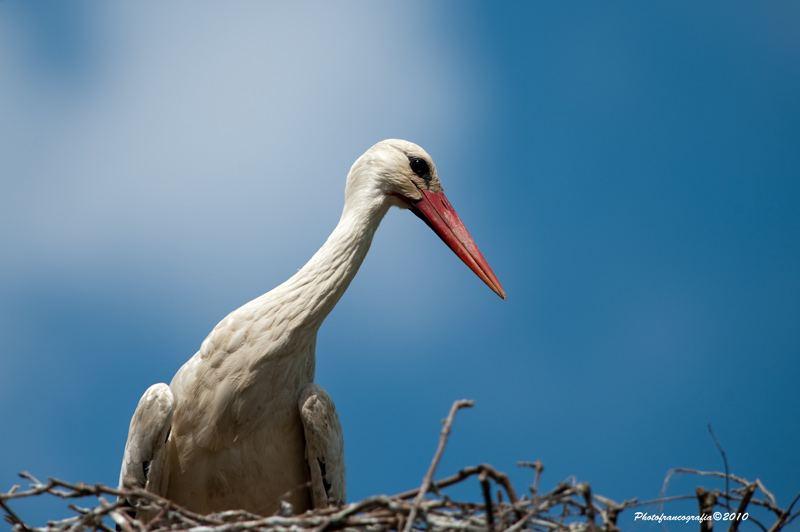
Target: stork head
(403,174)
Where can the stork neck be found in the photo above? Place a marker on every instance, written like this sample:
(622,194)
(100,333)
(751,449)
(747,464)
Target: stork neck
(318,286)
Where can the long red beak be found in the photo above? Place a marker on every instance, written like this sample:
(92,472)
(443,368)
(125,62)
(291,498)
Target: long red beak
(435,210)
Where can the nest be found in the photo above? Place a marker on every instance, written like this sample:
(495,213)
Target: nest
(570,506)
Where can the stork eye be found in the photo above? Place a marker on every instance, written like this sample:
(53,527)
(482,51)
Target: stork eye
(420,167)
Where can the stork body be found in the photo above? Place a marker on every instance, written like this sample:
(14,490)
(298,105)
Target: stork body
(242,425)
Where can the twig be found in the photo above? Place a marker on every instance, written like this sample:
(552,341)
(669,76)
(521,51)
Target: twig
(724,462)
(748,494)
(705,501)
(784,517)
(538,467)
(719,474)
(586,491)
(487,498)
(770,496)
(500,478)
(428,479)
(12,517)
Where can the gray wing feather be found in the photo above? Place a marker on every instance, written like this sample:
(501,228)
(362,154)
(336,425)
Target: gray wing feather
(142,463)
(324,447)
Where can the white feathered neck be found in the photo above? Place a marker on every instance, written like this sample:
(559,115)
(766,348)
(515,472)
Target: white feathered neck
(312,293)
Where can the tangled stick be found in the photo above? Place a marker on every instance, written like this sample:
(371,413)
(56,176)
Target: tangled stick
(428,479)
(568,506)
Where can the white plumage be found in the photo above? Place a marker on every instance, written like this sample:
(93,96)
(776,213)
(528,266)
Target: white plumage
(242,425)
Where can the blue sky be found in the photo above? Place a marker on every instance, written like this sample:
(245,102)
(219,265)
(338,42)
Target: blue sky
(631,172)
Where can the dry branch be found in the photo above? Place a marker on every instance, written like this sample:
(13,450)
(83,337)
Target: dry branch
(569,506)
(428,479)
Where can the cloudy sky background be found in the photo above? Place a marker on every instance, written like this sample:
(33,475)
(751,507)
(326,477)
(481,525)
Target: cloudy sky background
(630,171)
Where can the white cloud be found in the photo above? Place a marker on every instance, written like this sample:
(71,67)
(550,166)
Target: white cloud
(202,131)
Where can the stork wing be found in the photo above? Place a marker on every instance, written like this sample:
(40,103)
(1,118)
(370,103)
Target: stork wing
(324,447)
(143,462)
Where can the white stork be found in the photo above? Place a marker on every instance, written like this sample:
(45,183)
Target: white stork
(242,424)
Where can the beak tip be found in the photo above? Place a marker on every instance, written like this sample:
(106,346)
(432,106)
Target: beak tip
(500,292)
